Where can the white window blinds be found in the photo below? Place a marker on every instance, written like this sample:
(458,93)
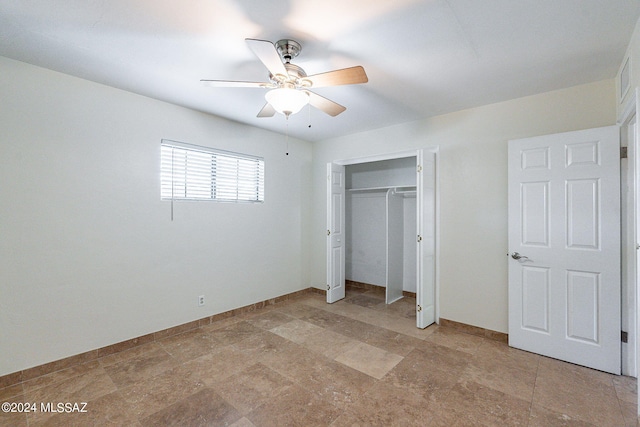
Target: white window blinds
(190,172)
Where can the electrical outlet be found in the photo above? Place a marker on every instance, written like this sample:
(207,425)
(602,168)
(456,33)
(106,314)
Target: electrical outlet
(201,300)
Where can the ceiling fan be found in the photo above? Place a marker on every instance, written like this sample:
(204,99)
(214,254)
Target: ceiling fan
(289,84)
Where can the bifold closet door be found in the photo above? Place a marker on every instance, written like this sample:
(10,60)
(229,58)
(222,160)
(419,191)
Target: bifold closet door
(395,245)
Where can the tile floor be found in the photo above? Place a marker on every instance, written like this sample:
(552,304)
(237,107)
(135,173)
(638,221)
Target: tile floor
(357,362)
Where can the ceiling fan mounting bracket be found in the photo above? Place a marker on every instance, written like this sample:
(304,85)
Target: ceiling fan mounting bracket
(288,49)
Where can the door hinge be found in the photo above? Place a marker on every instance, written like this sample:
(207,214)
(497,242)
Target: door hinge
(328,232)
(419,168)
(624,336)
(419,238)
(328,287)
(419,308)
(623,152)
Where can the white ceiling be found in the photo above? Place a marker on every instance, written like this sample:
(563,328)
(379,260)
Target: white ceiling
(423,57)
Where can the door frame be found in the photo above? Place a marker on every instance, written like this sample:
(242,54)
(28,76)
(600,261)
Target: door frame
(631,353)
(419,154)
(630,109)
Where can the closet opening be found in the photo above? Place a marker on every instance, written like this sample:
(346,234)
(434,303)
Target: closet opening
(380,228)
(382,233)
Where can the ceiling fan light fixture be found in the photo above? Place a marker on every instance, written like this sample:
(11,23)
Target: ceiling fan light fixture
(287,101)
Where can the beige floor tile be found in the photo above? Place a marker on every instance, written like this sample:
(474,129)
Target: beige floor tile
(626,388)
(295,407)
(471,404)
(316,302)
(268,348)
(13,417)
(328,343)
(376,336)
(269,319)
(84,388)
(496,352)
(215,367)
(430,372)
(578,392)
(253,387)
(59,376)
(153,394)
(451,338)
(234,333)
(331,381)
(11,391)
(409,328)
(542,417)
(90,385)
(351,311)
(295,309)
(630,414)
(140,367)
(385,405)
(326,319)
(130,354)
(242,422)
(369,360)
(405,308)
(297,330)
(223,323)
(204,408)
(501,377)
(189,345)
(108,410)
(363,300)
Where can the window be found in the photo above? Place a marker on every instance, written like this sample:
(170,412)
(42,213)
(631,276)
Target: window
(189,172)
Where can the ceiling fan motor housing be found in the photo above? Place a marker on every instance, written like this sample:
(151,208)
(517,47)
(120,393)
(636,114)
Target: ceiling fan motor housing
(296,77)
(288,49)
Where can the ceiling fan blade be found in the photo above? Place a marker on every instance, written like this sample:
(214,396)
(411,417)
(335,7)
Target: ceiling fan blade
(230,83)
(267,111)
(267,53)
(346,76)
(325,105)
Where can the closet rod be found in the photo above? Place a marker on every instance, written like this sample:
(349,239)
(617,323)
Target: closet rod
(396,187)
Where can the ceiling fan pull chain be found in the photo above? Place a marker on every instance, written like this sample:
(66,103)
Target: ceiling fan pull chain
(309,116)
(287,134)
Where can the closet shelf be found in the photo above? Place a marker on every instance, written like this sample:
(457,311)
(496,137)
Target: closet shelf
(399,188)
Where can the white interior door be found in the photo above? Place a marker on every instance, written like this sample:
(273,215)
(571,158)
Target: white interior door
(335,232)
(564,242)
(426,238)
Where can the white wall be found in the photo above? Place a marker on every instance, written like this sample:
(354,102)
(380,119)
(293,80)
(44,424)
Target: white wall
(366,237)
(633,54)
(88,254)
(383,173)
(366,243)
(473,187)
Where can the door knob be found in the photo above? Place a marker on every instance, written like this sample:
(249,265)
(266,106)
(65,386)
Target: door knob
(516,255)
